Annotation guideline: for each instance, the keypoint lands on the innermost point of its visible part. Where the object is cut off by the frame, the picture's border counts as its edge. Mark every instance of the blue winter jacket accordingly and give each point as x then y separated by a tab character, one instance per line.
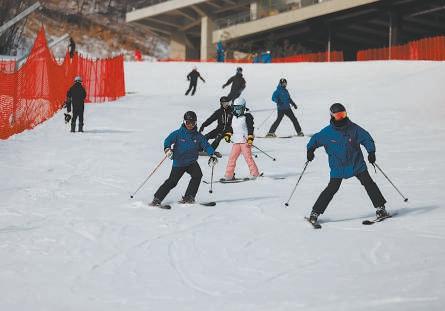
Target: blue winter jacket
187	145
282	98
343	148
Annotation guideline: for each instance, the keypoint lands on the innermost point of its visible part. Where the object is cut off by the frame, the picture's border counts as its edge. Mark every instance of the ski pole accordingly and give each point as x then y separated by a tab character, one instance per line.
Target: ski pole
211	181
404	198
262	123
264	152
298	181
152	172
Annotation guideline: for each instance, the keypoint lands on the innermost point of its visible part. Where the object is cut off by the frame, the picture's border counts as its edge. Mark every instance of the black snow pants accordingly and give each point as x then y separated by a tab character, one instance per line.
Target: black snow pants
194	170
334	184
77	113
216	134
290	115
192	85
234	94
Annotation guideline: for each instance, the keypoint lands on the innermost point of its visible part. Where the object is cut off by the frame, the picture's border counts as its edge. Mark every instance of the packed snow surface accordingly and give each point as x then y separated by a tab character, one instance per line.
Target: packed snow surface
72	239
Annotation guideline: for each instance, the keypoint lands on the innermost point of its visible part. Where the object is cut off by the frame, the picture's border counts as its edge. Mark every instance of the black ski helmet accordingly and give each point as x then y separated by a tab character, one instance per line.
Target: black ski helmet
283	81
337	107
239	70
190	116
224	99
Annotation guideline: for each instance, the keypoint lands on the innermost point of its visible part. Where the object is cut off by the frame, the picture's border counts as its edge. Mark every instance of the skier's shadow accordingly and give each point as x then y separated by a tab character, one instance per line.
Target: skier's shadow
400	212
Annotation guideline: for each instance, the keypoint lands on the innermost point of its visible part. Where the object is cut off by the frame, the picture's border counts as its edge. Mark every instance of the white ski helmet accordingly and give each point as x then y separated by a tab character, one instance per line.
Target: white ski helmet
239	106
77	79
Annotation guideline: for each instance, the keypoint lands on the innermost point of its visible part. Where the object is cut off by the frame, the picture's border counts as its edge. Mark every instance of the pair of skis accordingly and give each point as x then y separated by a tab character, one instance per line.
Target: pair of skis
168	206
366	222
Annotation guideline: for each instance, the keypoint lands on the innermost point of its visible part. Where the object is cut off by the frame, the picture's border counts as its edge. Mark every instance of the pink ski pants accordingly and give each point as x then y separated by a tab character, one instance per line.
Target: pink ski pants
246	150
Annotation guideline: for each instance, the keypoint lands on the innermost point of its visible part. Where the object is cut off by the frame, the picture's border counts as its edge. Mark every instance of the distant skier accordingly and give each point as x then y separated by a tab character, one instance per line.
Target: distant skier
341	140
238	84
224	117
72	47
182	146
76	100
283	100
193	78
241	135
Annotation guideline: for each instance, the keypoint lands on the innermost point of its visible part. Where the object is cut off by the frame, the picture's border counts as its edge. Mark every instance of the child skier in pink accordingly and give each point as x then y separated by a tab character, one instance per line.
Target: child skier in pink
241	135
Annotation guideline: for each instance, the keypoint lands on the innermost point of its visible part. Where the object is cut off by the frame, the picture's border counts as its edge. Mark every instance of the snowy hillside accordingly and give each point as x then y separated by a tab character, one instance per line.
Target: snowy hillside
72	239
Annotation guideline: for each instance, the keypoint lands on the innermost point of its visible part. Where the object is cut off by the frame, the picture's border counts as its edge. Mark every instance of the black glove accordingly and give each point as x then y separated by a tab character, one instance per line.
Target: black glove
223	86
371	157
201	129
212	161
310	155
294	105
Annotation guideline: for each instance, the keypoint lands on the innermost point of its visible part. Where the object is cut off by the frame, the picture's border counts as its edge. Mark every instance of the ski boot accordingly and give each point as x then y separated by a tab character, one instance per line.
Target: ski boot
300	134
381	212
313	218
187	199
271	135
157	203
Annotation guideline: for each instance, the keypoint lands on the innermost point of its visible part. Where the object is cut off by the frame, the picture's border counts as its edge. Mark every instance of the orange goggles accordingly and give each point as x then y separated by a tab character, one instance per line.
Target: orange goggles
339	115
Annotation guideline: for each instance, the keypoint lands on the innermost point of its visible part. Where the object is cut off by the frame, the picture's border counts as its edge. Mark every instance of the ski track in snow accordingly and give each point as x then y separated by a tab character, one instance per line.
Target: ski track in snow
71	239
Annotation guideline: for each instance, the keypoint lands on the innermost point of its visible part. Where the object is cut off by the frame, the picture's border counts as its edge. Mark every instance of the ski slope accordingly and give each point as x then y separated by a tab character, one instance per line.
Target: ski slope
72	239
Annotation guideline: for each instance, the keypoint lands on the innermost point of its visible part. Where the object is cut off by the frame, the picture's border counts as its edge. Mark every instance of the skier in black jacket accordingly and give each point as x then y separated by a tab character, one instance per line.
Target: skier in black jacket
193	78
238	84
224	117
76	99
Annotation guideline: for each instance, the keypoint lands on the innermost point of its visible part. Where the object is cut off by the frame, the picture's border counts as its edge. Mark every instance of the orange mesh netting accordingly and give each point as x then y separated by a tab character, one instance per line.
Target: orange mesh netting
424	49
38	89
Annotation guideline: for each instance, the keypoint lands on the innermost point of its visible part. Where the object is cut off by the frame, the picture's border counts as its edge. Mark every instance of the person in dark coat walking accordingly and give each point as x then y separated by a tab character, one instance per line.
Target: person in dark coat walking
341	141
182	146
76	100
224	117
72	47
283	100
238	84
193	78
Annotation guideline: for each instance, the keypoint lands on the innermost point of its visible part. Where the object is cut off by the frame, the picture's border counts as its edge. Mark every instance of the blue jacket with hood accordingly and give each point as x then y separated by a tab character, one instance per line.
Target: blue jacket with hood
282	98
186	145
342	144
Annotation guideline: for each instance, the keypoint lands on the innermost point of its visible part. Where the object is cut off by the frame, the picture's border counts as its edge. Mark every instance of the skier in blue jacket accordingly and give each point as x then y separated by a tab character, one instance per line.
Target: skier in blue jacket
183	146
341	141
283	100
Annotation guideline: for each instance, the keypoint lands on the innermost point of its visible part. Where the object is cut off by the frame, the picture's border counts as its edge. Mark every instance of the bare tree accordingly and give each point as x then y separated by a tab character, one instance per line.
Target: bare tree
10	38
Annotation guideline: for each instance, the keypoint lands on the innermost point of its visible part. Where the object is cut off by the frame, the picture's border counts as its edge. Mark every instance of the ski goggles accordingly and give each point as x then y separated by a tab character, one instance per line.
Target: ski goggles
190	122
339	115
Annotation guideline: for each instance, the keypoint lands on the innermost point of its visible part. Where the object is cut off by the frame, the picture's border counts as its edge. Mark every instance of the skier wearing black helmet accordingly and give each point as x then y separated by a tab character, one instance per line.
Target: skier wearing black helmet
224	117
238	84
182	146
284	102
341	141
75	99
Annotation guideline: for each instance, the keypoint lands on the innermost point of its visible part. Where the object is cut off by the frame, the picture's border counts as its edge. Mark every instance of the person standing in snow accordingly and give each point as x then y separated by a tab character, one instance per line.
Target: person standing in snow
182	146
224	117
283	100
72	47
193	78
241	135
76	100
341	140
238	84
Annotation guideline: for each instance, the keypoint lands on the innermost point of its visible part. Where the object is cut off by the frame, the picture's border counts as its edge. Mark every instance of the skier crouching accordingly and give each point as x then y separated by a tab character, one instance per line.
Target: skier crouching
182	146
241	135
224	117
341	140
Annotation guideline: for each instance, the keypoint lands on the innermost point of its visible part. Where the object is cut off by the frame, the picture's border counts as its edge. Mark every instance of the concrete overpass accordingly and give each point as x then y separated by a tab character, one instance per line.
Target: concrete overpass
194	26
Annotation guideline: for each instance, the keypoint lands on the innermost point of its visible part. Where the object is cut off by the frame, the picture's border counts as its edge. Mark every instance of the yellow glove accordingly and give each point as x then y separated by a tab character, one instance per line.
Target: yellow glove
227	137
250	140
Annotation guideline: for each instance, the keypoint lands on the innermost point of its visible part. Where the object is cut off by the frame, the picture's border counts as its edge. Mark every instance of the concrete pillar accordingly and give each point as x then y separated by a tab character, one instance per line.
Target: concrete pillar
253	11
177	49
208	49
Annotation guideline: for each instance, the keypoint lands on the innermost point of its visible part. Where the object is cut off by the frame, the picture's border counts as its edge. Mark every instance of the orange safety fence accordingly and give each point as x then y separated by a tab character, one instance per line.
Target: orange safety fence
7	66
424	49
334	56
36	91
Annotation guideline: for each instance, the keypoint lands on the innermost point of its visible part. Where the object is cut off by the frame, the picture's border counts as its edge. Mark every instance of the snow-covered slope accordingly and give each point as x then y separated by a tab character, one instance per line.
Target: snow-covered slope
72	239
